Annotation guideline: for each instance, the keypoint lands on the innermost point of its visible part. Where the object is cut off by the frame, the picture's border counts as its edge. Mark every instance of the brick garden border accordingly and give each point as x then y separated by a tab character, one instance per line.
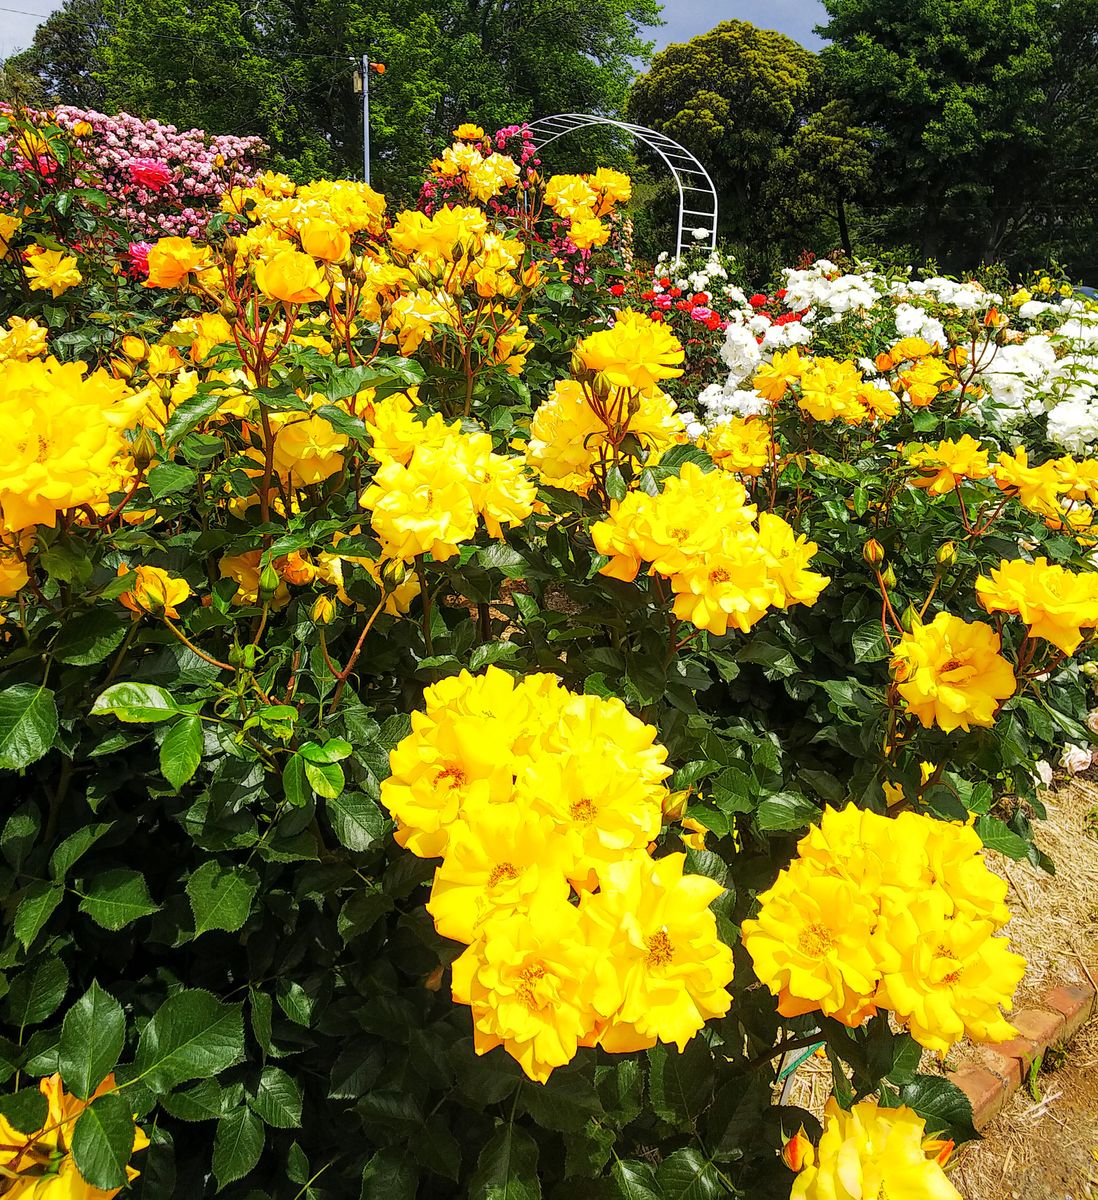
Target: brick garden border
1064	1010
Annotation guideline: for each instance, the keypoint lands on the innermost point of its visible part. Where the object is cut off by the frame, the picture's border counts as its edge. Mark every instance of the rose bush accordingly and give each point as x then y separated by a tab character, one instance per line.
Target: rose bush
437	767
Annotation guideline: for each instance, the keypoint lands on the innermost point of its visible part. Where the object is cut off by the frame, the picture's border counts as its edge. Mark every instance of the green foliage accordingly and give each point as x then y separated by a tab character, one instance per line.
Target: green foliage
983	123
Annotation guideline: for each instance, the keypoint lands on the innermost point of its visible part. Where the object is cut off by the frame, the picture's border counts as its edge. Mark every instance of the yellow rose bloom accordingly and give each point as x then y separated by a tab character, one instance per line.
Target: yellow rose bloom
64	429
1055	603
614	187
742	445
306	448
469	132
153	590
772	380
588	232
941	468
571	196
832	390
290	276
9	226
23	339
661	941
172	259
51	271
811	945
1036	488
534	985
872	1152
926	380
498	856
951	673
324	239
636	352
945	977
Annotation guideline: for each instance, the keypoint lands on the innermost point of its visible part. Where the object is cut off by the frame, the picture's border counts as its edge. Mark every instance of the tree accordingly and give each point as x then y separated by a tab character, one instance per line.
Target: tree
284	70
750	103
983	118
64	55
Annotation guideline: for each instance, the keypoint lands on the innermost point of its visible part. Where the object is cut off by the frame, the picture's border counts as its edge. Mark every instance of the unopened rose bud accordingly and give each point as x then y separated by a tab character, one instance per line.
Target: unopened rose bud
228	310
392	573
143	448
324	610
910	619
674	805
873	552
229	246
1090	670
947	554
268	583
888	577
122	369
798	1152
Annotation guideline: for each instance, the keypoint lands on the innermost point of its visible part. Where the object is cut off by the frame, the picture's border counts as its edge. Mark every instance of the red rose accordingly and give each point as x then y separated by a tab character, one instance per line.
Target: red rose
759	300
617	289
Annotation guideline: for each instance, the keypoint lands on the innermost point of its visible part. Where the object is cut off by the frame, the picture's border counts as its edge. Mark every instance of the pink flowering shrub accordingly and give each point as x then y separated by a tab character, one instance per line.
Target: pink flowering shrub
161	180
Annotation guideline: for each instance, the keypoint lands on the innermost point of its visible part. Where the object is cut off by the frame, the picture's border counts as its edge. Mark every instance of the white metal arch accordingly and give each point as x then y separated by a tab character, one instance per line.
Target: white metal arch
697	195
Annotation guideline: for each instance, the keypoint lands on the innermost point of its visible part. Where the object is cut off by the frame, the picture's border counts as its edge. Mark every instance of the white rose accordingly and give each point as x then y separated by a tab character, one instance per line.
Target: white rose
1092	720
1042	773
1075	759
701	234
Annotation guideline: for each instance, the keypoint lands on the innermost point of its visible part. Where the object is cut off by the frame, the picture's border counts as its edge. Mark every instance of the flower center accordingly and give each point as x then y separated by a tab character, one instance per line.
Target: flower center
816	940
503	870
530	977
453	776
583	811
720	575
660	950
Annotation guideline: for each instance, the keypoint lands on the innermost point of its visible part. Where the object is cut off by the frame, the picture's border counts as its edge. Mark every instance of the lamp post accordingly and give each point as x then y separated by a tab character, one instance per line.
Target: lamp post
362	85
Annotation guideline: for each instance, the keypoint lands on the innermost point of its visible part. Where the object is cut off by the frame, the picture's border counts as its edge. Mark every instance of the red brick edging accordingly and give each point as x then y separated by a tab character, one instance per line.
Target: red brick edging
1065	1010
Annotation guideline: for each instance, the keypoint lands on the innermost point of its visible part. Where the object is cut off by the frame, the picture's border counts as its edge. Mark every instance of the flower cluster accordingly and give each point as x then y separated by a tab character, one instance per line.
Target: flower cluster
542	804
889	913
870	1151
434	482
727	564
1056	604
583	200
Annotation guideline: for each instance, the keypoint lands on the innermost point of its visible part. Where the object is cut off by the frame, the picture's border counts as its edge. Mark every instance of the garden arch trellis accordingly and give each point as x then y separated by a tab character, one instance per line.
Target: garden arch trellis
697	195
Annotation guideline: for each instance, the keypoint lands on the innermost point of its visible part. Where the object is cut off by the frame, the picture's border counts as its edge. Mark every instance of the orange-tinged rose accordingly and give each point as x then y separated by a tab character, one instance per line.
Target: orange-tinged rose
172	259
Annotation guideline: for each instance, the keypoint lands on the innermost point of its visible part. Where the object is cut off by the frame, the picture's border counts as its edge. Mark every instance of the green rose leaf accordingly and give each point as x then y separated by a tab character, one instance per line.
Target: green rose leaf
36	992
507	1168
167	478
92	1036
635	1180
221	897
944	1107
74	847
116	898
326	779
181	751
238	1144
136	703
102	1141
277	1099
689	1175
192	1035
35	909
190	413
356	819
89	638
25	1110
28	725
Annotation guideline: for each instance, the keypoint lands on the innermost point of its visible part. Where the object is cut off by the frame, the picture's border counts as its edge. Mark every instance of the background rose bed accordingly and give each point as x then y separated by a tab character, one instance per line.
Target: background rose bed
408	652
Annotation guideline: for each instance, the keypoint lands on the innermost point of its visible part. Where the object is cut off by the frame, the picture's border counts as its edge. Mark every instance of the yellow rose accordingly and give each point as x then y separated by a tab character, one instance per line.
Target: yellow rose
324	239
153	591
290	276
172	259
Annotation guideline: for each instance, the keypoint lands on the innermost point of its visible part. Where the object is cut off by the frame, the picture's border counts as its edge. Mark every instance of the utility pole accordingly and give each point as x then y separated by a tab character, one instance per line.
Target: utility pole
362	84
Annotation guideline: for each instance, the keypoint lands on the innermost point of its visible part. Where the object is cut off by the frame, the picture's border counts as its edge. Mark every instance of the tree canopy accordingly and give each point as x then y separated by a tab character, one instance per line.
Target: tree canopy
283	70
983	120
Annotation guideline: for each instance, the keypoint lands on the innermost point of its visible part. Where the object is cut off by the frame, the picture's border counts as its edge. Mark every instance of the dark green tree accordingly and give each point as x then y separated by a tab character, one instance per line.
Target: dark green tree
64	55
983	120
283	70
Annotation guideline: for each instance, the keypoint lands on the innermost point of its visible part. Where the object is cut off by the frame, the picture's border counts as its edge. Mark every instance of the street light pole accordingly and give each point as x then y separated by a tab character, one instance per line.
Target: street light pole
365	69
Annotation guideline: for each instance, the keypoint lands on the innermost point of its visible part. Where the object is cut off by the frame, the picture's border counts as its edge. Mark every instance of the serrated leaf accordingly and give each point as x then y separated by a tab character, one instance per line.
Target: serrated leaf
92	1036
635	1180
102	1141
35	909
277	1099
189	414
28	725
326	779
136	703
36	992
116	898
356	819
192	1035
507	1168
165	479
689	1175
389	1176
181	751
679	1085
492	652
20	834
203	1102
238	1144
997	835
25	1110
72	849
221	897
944	1107
89	638
786	812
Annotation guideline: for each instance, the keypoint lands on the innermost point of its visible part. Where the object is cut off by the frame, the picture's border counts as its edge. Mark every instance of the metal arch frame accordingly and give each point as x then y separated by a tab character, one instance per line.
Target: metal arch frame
689	174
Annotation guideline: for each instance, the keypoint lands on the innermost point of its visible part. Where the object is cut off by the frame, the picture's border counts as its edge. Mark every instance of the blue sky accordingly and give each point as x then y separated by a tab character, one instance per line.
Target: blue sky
685	19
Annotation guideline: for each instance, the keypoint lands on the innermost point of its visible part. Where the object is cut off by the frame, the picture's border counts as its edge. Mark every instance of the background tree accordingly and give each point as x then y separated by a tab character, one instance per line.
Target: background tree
64	55
284	69
751	104
983	119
